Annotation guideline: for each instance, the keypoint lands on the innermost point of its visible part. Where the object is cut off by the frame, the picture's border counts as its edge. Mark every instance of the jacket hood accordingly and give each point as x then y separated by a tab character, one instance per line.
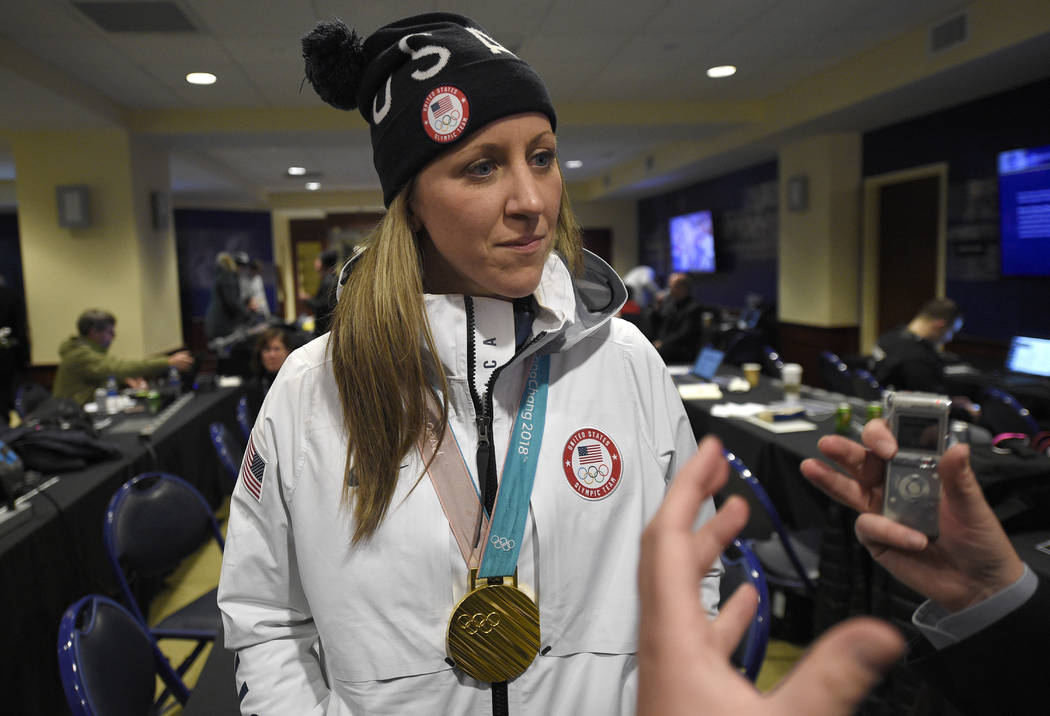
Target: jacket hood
75	343
595	297
597	294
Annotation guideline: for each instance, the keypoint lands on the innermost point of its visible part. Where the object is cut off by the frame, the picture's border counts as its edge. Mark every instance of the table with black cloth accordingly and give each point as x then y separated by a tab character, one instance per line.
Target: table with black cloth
57	556
773	458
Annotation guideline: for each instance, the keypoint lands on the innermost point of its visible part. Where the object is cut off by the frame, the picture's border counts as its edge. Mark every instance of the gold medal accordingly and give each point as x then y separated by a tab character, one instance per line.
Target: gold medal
494	631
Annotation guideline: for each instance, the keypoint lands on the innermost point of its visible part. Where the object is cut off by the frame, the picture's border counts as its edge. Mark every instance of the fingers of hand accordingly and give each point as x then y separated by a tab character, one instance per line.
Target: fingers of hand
840	669
876	531
703	475
838	486
734	617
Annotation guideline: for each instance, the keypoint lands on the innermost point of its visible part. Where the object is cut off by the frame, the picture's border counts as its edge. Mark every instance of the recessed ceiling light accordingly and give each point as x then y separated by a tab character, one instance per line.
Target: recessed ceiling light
200	78
313	185
296	171
721	71
573	164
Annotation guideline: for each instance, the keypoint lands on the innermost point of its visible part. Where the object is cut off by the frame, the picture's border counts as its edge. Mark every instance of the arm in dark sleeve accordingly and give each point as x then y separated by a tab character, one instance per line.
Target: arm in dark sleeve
997	670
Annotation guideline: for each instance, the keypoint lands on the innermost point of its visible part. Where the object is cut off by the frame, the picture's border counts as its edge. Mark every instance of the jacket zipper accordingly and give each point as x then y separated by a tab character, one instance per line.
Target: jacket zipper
486	459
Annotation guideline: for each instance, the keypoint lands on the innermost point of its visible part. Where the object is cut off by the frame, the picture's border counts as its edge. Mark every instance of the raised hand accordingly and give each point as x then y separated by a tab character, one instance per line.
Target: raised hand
683	658
971	559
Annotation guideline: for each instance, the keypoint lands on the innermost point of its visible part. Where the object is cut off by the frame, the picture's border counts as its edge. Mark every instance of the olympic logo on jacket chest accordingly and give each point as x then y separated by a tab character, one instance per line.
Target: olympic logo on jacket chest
591	462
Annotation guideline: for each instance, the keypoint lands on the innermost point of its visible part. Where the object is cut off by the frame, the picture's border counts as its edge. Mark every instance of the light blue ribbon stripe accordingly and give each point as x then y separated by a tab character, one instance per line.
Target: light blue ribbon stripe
500	558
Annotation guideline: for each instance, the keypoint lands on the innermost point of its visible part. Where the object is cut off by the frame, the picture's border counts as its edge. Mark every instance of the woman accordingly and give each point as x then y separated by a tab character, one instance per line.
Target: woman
271	350
226	310
356	525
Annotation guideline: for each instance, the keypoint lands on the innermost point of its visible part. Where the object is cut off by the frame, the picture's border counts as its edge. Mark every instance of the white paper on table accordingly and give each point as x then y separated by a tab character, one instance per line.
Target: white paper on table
783	426
737	410
679	369
700	391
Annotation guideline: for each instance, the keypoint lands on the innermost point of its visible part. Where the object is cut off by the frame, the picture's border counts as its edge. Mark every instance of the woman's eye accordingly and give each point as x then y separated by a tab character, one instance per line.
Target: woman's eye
482	168
543	159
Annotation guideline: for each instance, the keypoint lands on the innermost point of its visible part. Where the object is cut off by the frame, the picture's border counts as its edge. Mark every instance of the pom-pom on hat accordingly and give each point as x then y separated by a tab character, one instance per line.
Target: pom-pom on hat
423	84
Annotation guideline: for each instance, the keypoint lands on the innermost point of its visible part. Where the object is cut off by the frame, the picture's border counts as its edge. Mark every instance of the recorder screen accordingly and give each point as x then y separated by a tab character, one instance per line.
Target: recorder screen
917	433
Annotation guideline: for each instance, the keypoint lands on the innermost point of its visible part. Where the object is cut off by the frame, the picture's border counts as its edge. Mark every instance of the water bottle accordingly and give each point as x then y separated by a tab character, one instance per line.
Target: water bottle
175	380
100	401
112	396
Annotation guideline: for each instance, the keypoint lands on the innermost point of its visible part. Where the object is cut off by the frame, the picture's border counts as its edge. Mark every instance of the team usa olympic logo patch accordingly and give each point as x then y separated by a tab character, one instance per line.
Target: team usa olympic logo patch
592	463
445	114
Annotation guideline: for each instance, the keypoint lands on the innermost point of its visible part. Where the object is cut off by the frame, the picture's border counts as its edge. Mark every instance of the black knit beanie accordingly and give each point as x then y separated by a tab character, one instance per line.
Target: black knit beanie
423	84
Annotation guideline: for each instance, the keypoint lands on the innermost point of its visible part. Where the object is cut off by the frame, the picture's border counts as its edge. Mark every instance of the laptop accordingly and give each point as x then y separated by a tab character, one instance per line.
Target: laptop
707	364
1029	356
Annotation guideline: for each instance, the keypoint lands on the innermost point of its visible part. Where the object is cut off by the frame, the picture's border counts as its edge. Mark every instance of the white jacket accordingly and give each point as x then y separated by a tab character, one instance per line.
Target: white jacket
323	627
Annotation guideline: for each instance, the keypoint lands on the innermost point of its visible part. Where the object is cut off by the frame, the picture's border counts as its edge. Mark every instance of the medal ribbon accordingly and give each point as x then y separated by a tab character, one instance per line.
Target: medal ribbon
500	537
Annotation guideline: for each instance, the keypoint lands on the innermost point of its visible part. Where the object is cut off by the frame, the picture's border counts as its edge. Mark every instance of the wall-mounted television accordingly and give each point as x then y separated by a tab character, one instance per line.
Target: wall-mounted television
1024	211
693	243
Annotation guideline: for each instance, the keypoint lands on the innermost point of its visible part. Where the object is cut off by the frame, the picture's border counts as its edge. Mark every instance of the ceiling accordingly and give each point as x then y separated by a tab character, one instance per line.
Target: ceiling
629	81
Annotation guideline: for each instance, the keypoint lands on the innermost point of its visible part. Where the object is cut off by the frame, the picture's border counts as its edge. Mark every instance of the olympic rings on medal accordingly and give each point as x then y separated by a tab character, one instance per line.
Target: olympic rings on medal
502	543
479	622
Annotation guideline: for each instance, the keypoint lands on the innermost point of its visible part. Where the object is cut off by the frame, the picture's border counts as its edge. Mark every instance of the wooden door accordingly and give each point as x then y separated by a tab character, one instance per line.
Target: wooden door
907	244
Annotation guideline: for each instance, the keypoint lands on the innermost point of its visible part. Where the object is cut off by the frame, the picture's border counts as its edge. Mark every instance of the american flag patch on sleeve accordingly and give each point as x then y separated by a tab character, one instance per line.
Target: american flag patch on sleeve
252	470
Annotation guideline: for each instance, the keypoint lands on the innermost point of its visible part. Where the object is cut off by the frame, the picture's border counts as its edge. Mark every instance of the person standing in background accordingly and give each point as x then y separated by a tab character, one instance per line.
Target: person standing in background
322	303
226	311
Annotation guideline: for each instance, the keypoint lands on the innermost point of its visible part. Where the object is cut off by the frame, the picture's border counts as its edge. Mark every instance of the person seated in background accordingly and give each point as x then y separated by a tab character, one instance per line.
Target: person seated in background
677	322
910	357
322	303
271	349
86	364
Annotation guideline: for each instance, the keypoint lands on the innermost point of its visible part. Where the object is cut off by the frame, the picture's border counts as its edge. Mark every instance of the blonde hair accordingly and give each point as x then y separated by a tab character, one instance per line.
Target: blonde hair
383	370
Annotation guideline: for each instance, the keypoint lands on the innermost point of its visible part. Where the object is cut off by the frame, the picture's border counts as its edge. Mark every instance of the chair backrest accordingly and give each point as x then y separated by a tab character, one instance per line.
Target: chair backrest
836	373
774	517
226	449
244	421
108	662
152	523
865	385
28	396
772	363
742	566
1002	413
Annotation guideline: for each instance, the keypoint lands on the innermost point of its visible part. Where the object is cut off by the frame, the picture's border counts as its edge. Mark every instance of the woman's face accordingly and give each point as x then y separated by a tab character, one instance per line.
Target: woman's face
489	210
273	355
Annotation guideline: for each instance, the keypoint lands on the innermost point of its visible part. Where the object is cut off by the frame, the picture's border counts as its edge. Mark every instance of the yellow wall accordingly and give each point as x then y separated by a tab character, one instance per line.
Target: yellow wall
158	262
620	215
819	247
103	266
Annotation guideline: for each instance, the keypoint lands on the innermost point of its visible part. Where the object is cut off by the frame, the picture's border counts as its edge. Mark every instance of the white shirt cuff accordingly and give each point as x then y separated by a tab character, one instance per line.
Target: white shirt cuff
943	629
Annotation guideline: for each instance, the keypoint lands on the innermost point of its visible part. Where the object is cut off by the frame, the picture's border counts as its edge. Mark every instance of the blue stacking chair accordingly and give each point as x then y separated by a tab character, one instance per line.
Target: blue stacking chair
836	373
228	451
1002	413
109	663
744	567
244	422
788	560
772	363
865	385
154	522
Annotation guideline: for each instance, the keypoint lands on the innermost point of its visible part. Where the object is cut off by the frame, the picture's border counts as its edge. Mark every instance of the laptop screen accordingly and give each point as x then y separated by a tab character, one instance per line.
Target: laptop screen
1029	355
707	363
